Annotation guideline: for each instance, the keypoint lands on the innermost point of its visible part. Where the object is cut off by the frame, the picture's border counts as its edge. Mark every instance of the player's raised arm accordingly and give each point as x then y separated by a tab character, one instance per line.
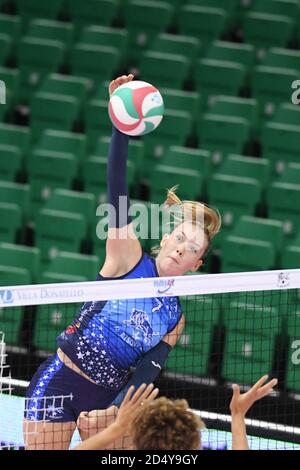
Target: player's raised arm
123	250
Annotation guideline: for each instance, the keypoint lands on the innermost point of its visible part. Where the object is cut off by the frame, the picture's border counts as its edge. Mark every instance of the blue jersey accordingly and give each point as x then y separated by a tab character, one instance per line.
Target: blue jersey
108	337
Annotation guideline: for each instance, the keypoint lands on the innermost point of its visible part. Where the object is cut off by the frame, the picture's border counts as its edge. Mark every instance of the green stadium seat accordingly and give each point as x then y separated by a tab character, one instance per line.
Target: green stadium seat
135	153
66	85
37	58
51	111
12	276
173	130
144	21
265	30
191	354
29	9
14	256
10	162
72	91
289	8
287	113
47	171
241	11
11	26
54	163
271	86
11	318
230	6
17	194
222	135
50	321
11	323
297	36
92	61
251	331
189	47
218	77
14	147
97	121
165	177
291	255
92	12
184	157
188	101
95	176
10	78
5	48
246	108
52	30
204	22
236	189
106	36
10	222
57	231
254	244
232	52
282	58
252	167
71	267
165	70
280	144
63	142
283	199
293	371
74	202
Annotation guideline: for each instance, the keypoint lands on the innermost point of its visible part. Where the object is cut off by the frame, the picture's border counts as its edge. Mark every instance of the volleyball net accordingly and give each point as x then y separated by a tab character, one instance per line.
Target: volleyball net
238	328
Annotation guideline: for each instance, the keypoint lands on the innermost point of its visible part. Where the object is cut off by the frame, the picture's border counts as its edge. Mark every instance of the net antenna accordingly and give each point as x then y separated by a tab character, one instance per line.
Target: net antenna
5	377
5	374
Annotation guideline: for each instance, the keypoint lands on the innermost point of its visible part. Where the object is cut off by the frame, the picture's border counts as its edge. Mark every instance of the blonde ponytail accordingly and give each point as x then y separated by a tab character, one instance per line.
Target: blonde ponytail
193	212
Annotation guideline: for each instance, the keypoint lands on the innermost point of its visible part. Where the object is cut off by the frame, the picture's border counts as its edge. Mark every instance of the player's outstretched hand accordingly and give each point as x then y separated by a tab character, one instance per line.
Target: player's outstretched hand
241	403
132	403
114	84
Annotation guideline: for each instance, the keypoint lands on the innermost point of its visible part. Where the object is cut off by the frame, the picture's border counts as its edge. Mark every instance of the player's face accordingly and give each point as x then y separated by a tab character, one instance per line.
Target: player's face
182	250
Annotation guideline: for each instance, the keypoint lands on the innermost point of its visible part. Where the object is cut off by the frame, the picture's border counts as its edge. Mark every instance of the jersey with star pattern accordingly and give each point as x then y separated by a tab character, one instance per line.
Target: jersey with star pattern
108	337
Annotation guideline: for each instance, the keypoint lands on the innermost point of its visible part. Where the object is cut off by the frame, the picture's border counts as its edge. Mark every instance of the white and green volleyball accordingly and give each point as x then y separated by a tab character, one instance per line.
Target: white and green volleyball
136	108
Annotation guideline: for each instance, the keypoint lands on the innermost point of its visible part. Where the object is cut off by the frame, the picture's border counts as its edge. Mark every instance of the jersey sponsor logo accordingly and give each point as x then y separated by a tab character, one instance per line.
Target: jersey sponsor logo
6	297
156	364
140	320
72	328
163	286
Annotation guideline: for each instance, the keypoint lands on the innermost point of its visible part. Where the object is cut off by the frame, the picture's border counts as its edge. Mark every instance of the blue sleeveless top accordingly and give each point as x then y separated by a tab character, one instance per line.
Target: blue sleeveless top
108	337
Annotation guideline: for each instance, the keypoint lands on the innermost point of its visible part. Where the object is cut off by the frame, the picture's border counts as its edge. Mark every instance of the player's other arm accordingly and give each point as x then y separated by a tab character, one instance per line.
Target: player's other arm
152	362
239	406
126	414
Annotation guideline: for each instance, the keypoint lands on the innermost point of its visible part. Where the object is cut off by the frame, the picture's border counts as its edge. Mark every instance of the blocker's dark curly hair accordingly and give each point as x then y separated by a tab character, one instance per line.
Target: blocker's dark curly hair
166	424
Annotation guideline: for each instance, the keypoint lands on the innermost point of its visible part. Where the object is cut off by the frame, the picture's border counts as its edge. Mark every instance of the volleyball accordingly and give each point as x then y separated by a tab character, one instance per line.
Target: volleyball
136	108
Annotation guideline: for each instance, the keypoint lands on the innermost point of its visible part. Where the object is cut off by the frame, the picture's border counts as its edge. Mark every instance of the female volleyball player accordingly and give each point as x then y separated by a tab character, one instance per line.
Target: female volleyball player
95	353
169	424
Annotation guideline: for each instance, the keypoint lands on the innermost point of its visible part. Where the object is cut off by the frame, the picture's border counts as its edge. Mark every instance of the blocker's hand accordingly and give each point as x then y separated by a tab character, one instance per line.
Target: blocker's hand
241	403
114	84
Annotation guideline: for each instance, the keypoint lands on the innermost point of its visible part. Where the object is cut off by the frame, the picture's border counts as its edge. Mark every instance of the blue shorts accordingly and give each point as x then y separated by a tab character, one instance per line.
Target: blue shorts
57	394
